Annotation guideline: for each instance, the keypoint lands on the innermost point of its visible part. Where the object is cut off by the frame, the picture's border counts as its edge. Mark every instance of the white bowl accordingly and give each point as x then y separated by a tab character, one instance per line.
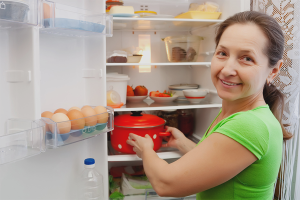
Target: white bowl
134	59
135	99
195	96
164	99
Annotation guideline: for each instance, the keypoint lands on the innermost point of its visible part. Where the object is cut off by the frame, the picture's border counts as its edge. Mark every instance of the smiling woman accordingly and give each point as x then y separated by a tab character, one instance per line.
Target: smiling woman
240	154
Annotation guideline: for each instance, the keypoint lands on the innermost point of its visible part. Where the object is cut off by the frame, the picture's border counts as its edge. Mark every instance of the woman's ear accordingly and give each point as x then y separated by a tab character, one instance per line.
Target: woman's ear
274	72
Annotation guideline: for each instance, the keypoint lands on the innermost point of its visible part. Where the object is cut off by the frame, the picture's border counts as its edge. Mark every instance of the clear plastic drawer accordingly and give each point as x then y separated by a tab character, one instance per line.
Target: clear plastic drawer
22	139
70	21
67	132
18	13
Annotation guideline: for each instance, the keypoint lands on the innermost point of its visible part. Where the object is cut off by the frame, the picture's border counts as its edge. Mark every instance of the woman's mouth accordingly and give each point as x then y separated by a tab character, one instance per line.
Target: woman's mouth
229	83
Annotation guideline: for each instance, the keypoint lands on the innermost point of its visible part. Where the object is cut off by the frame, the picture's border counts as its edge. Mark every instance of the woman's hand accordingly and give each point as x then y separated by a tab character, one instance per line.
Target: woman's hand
140	144
178	140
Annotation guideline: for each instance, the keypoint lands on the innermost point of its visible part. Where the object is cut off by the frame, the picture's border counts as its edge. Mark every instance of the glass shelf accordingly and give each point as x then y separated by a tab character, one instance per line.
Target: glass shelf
65	20
149	104
206	64
160	24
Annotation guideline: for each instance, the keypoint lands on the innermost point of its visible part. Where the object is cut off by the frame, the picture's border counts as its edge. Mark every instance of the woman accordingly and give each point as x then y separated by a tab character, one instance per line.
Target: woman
239	156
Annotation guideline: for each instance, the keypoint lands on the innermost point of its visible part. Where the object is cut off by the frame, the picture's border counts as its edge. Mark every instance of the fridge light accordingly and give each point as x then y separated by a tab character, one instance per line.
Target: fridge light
145	43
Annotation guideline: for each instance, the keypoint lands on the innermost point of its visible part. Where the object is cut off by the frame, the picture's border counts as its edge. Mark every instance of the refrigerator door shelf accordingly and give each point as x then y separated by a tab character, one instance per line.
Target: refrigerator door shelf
22	139
69	21
16	14
63	133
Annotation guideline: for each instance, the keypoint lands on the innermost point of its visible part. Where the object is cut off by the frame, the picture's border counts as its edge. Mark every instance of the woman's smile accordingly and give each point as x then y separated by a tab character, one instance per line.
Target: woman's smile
229	84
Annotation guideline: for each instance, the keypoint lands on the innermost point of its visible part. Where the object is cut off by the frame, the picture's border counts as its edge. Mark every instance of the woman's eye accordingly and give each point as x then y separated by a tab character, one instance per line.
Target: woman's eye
221	53
248	59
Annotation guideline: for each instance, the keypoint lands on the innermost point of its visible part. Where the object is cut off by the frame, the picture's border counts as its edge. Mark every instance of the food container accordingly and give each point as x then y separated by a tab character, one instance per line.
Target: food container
178	88
145	13
139	124
195	96
182	48
134	58
117	56
14	11
110	4
186	121
118	82
171	117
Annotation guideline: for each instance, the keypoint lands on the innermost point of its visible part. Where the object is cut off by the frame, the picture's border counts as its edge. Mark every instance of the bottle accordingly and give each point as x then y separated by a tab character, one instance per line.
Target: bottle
186	121
92	182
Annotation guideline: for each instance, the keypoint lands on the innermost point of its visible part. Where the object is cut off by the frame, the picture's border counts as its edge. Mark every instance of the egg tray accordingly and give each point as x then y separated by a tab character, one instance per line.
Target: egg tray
74	135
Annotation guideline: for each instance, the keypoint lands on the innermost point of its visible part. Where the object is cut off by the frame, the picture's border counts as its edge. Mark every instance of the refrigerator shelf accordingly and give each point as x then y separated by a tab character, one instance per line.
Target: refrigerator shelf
205	64
160	24
69	21
66	132
22	139
18	14
211	101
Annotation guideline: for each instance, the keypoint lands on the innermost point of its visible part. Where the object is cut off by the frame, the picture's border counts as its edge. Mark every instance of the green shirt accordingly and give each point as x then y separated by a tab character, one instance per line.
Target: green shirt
260	132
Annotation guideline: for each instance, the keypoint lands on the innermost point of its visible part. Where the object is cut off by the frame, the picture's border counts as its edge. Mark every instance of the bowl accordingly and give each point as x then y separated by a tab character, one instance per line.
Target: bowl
135	99
178	88
134	58
14	11
195	96
164	99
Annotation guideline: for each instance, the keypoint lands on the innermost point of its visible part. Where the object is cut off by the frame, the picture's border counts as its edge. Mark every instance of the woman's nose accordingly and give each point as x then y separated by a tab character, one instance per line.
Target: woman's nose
230	67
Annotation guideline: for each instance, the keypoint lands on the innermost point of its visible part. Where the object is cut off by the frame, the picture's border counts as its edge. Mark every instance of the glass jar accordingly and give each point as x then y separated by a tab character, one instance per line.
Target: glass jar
171	117
186	121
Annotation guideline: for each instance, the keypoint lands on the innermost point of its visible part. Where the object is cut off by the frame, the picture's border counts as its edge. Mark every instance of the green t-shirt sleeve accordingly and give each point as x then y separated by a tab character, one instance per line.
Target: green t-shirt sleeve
248	130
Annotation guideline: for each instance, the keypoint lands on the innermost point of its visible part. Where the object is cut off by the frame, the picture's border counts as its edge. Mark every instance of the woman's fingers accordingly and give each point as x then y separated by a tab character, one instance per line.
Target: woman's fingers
131	142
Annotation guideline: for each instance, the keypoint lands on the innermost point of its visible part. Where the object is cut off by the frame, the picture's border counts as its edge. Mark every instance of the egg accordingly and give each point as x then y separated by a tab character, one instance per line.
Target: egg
63	123
74	108
102	114
89	113
77	119
61	110
47	114
86	106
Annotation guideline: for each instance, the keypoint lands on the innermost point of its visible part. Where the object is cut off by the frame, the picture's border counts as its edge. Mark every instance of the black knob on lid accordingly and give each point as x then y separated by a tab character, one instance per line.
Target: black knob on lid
136	113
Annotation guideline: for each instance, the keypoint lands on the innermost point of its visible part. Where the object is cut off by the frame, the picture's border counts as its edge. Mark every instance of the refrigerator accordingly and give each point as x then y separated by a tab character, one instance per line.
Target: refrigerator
53	55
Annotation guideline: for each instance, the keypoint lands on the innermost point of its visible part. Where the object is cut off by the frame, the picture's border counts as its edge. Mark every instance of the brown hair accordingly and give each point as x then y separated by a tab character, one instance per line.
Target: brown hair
274	51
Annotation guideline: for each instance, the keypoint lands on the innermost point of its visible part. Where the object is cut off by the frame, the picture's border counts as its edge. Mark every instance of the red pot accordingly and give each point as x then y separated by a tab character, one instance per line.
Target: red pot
139	124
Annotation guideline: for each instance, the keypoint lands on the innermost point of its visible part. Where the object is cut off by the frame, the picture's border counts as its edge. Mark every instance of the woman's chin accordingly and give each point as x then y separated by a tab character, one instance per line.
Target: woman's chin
227	96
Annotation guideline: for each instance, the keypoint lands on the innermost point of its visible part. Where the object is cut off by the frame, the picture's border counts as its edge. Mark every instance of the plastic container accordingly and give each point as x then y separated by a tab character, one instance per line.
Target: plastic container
24	11
70	21
134	58
91	186
177	89
182	48
22	139
56	134
118	82
110	4
145	13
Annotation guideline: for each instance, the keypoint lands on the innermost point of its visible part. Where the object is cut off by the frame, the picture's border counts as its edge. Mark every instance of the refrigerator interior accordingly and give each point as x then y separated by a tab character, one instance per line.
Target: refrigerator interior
42	71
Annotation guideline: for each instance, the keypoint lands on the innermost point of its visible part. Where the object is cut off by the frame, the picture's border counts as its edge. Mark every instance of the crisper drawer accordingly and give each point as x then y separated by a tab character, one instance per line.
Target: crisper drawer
67	132
66	20
22	139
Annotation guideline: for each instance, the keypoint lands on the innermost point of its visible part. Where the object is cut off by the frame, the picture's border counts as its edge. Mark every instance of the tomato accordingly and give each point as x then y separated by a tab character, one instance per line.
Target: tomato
130	91
140	90
154	93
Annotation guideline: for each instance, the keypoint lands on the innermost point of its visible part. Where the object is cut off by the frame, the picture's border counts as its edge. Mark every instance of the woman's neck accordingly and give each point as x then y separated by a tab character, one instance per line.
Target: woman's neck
248	103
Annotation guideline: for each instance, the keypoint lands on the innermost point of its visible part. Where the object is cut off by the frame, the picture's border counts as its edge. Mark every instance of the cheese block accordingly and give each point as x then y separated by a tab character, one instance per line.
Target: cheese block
122	10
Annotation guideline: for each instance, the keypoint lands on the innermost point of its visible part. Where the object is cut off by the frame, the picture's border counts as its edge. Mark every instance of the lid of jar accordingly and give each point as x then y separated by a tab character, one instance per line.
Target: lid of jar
138	120
145	11
183	86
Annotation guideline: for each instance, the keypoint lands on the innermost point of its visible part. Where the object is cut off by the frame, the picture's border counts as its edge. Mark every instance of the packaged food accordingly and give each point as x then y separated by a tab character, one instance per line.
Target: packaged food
117	57
112	3
207	7
171	117
186	121
145	13
121	10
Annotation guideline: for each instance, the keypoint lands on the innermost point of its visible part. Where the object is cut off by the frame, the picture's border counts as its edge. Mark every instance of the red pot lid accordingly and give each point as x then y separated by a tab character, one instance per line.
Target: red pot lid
138	120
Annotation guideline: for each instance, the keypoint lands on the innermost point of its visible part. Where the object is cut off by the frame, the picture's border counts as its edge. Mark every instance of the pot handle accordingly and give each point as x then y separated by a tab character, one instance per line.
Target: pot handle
164	134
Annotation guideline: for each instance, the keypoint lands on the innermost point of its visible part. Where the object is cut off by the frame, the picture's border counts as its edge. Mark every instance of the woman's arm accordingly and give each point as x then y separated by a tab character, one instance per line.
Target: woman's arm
214	161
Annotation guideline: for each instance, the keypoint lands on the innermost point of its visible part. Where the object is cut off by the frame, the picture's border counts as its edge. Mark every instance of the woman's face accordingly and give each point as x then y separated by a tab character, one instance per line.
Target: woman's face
239	67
